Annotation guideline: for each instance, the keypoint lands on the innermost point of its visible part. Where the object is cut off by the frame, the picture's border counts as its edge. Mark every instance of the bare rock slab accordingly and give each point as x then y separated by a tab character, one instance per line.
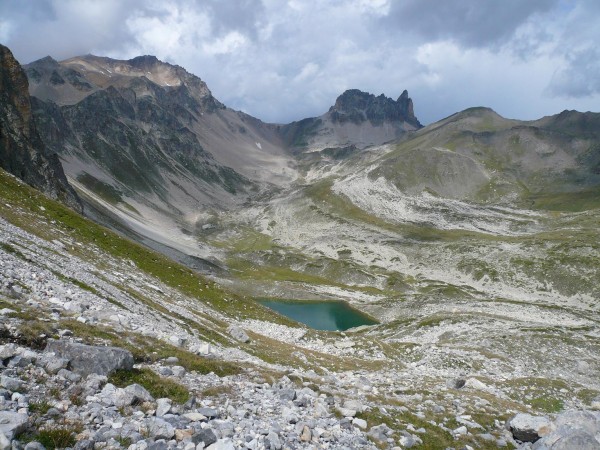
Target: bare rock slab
88	359
12	423
528	428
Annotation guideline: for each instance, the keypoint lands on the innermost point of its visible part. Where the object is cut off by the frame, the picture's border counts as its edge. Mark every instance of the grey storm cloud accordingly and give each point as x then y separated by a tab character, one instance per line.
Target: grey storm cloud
285	60
476	23
580	77
243	15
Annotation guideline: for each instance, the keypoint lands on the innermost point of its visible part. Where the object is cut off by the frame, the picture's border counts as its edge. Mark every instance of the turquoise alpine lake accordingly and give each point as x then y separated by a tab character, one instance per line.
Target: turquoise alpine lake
320	315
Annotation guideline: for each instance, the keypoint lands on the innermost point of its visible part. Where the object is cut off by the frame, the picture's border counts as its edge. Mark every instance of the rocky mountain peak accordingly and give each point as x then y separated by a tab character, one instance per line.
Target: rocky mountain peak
144	61
357	107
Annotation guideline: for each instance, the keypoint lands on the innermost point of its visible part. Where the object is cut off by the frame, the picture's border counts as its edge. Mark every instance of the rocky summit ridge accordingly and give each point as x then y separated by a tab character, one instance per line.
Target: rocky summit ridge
357	106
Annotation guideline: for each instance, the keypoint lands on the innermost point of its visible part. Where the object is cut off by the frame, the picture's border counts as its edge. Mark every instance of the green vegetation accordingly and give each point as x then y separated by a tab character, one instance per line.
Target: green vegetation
58	437
547	404
104	190
12	250
40	407
157	386
543	394
435	437
567	202
35	333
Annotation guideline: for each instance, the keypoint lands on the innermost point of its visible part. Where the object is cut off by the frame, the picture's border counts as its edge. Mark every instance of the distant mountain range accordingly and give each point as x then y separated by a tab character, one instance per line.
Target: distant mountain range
152	152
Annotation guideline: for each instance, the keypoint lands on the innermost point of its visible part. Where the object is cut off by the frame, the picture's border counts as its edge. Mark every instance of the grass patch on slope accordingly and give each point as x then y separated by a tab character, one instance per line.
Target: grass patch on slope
31	210
158	386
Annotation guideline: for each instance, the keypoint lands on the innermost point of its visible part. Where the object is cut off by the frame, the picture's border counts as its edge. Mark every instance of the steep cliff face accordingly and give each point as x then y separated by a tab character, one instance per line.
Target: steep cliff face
22	152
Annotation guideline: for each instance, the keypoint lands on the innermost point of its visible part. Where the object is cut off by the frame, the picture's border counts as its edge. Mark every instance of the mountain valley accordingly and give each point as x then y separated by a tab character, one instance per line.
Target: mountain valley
472	242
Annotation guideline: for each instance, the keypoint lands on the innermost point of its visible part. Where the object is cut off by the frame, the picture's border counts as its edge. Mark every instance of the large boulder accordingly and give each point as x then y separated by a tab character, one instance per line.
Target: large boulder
88	359
528	428
572	430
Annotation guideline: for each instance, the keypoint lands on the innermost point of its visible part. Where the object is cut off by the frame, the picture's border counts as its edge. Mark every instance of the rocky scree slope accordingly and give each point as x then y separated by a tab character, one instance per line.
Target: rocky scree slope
22	152
147	144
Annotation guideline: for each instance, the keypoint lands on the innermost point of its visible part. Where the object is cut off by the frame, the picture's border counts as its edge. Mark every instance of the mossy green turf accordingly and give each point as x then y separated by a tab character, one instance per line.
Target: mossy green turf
157	386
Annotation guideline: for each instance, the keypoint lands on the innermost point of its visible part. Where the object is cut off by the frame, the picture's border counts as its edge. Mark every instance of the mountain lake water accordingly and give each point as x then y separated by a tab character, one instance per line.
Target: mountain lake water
320	315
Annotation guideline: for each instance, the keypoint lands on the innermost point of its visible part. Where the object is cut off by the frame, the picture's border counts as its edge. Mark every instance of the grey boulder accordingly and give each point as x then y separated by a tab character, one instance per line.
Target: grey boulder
528	428
238	334
88	359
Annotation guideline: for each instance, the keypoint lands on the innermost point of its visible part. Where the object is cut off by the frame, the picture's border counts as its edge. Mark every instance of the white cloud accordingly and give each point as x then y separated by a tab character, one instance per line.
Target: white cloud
230	43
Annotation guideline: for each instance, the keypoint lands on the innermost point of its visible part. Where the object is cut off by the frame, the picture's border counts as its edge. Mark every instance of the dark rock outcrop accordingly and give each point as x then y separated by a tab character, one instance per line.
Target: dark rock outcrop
22	152
357	106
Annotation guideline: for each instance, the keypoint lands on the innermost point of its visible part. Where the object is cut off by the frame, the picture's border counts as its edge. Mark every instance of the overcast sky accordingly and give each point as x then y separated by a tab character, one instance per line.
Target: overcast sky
285	60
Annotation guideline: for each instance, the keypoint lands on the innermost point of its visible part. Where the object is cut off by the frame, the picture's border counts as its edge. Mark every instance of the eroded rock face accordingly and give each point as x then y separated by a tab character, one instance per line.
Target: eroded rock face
22	152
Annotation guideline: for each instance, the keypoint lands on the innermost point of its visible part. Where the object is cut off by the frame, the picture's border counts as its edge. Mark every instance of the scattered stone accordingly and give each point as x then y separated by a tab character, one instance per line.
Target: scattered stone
238	334
222	444
456	383
163	406
206	435
360	423
347	412
139	393
12	384
272	441
8	351
380	432
55	364
178	371
34	446
572	430
460	431
171	360
195	417
306	434
157	428
344	344
287	394
208	412
4	442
